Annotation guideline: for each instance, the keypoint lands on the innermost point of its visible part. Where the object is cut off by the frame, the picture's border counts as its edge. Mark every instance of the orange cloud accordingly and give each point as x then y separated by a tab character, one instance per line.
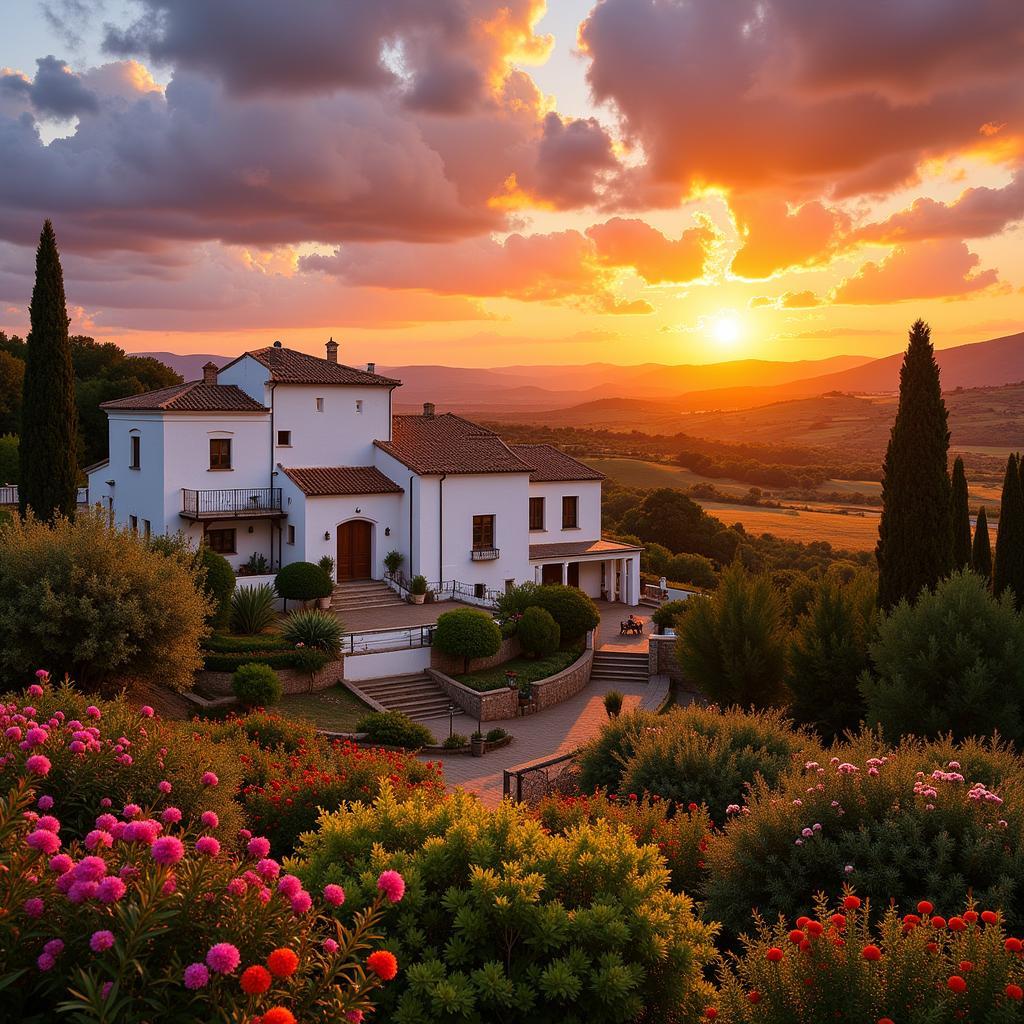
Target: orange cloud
631	242
777	236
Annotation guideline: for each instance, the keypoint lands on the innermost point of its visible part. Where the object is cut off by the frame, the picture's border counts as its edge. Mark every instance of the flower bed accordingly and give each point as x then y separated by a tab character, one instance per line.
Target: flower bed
527	670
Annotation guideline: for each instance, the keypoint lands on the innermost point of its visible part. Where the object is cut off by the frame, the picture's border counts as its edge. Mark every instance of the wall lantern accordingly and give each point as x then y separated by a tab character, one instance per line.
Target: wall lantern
327	534
358	510
251	529
387	531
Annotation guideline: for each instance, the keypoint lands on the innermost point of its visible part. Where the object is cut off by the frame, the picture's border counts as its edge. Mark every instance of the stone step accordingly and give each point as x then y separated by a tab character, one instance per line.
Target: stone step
417	696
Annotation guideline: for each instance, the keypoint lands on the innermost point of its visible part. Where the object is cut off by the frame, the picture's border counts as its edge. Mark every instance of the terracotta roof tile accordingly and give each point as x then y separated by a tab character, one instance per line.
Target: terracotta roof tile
583	547
550	464
447	443
195	396
318	481
287	366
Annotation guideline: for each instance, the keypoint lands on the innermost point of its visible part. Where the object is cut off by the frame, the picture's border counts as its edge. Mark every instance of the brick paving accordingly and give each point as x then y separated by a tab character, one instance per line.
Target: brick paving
560	729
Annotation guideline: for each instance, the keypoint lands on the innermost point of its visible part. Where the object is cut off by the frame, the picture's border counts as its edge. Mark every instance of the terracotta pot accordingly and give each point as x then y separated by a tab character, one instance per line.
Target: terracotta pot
417	598
477	746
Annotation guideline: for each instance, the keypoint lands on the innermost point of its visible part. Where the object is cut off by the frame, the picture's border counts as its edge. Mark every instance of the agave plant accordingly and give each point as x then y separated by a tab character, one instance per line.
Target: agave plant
312	627
252	609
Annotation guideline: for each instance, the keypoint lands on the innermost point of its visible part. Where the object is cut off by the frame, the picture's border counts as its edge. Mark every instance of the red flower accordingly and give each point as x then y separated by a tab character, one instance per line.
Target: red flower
839	920
851	902
957	924
971	916
956	984
282	962
796	936
885	1020
966	966
755	996
1013	945
932	947
801	921
710	1013
383	964
938	922
924	908
255	980
815	928
1014	992
774	954
278	1015
870	952
989	916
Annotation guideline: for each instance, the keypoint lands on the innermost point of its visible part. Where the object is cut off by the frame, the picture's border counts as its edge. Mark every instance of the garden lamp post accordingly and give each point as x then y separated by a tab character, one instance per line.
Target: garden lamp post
451	719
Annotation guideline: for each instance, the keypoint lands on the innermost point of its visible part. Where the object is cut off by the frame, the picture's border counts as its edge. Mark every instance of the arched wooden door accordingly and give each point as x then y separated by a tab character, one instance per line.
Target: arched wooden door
354	543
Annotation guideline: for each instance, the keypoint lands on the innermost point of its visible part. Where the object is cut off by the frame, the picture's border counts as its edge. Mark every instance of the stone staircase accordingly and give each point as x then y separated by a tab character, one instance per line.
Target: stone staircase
418	696
356	595
612	668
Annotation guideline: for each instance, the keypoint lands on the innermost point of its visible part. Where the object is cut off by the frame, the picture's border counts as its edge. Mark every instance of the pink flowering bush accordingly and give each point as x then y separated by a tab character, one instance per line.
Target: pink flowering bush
897	823
834	965
140	914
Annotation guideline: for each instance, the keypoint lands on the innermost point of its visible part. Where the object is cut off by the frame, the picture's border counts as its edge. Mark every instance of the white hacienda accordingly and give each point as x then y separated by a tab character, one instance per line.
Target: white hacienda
281	456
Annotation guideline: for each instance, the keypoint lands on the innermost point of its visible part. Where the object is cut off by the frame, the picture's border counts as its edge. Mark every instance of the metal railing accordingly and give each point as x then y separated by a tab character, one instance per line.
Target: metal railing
448	590
368	641
484	554
529	783
9	495
232	502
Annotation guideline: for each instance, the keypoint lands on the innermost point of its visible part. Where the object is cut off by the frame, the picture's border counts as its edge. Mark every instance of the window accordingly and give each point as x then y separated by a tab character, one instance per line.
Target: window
133	524
220	453
135	458
480	590
359	406
146	529
291	534
319	405
536	513
222	541
284	439
483	533
570	512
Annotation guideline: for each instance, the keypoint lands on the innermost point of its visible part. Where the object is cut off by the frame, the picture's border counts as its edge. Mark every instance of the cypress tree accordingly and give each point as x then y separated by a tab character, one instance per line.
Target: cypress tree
49	418
1008	565
961	514
981	552
915	533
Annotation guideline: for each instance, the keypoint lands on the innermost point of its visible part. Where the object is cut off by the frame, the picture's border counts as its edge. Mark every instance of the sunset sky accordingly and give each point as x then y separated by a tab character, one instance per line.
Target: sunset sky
485	182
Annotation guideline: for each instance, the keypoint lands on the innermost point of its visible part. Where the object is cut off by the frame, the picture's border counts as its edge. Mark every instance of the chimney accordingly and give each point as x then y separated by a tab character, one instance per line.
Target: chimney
210	373
428	410
277	344
332	351
371	367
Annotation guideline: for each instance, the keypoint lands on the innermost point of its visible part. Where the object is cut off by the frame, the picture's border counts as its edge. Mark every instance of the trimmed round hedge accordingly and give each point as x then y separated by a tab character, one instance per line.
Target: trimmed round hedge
467	633
303	581
256	685
539	634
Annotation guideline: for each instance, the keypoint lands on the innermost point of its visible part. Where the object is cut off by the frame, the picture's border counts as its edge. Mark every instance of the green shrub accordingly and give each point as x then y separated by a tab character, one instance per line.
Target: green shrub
97	604
951	662
904	824
733	644
300	659
226	643
539	634
252	609
394	729
502	921
418	585
303	581
575	613
511	603
218	583
327	565
668	614
314	628
310	660
256	685
393	562
613	703
601	759
693	569
843	969
455	742
257	565
467	633
493	735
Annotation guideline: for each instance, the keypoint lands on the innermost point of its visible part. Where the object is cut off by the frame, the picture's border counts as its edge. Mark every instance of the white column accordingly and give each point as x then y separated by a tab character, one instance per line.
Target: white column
620	575
565	573
536	574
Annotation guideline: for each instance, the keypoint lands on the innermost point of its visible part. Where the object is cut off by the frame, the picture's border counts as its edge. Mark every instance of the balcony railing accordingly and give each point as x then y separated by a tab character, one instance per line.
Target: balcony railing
9	495
484	554
236	503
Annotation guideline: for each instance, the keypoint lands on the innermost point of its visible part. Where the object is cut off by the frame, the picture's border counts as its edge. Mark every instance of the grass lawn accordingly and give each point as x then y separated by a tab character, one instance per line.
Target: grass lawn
335	710
529	669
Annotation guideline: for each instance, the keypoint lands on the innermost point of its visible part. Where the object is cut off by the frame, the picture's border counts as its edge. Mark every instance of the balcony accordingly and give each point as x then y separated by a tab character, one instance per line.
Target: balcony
237	503
484	554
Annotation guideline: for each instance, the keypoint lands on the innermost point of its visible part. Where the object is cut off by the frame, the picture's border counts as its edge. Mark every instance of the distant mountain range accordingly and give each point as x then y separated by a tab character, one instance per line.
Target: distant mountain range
604	394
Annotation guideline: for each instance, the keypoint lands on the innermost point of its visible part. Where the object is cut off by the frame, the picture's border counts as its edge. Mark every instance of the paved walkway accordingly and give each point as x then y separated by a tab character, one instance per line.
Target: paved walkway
560	729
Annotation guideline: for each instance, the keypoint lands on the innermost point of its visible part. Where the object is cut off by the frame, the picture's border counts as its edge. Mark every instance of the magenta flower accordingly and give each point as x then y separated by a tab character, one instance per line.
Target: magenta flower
170	885
41	674
268	868
301	902
354	1016
209	779
146	711
45	803
97	837
237	887
209	819
258	847
43	840
171	816
34	906
54	947
45	962
330	946
93	712
82	892
167	850
392	884
334	894
110	889
61	864
36	736
49	822
208	846
132	810
289	886
38	764
101	941
223	958
196	976
90	869
13	732
164	786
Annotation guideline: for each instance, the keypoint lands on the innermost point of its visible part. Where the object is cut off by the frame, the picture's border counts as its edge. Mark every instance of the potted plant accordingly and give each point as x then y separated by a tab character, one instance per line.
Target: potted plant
327	564
393	562
525	694
418	590
477	742
512	680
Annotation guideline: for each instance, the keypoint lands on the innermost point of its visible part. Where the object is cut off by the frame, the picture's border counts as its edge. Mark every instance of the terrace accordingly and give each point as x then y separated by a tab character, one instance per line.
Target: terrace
232	503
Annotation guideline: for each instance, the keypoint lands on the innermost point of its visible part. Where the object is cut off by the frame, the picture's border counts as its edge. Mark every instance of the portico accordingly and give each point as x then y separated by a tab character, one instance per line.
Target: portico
602	568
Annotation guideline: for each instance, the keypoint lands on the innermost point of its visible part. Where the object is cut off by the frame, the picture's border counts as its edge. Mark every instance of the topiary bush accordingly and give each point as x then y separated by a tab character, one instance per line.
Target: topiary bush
252	609
395	729
951	662
218	583
256	685
303	581
96	603
901	824
503	921
539	634
314	628
834	965
575	613
467	633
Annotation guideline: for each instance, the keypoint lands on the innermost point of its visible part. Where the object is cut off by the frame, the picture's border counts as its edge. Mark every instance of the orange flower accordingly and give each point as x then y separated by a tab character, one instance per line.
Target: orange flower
851	902
383	964
278	1015
956	984
282	962
1014	992
254	981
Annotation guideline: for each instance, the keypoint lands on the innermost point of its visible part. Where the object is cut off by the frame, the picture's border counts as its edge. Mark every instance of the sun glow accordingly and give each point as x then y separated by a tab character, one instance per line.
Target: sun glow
726	329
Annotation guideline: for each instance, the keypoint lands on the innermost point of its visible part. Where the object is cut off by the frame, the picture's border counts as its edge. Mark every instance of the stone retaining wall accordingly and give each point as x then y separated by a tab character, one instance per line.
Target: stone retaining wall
662	658
486	706
450	665
563	685
292	680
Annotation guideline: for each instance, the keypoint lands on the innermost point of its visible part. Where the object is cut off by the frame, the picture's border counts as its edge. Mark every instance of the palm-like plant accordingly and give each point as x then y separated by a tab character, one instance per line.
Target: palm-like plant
252	609
312	627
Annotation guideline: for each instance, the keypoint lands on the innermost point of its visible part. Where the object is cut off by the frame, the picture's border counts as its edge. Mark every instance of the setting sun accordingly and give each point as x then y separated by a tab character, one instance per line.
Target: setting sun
726	329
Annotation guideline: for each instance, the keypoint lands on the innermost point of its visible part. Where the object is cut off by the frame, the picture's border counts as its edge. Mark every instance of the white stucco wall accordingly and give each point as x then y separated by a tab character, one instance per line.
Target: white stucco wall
589	515
249	375
408	501
139	492
325	515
